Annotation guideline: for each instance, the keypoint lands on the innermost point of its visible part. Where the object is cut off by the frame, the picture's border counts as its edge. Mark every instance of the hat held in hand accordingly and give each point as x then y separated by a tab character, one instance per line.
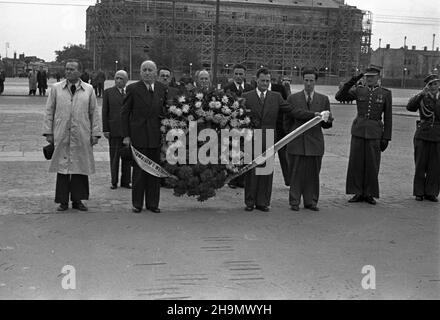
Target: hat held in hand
48	151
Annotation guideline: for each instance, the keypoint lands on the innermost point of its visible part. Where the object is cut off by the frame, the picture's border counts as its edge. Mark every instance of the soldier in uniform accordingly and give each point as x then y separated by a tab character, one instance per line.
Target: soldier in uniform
427	140
369	134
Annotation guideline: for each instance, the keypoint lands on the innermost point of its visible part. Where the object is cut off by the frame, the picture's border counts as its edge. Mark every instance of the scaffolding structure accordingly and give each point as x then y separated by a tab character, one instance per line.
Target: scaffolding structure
284	36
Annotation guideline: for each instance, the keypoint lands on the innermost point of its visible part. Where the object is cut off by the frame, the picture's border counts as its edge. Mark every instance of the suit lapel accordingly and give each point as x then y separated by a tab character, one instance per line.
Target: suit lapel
142	91
258	104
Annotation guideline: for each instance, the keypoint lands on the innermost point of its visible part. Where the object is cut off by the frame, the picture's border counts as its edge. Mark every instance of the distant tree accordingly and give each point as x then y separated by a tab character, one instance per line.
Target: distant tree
74	51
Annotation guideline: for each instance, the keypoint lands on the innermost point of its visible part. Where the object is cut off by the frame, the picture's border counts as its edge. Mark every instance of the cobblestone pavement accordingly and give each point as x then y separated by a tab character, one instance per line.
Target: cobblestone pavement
214	249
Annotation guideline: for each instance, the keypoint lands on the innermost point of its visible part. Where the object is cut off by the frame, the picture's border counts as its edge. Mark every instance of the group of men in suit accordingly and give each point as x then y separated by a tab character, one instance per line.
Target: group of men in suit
143	104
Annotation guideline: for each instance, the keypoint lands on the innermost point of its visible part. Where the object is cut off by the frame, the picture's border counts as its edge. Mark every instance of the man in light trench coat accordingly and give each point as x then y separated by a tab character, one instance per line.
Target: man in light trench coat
73	124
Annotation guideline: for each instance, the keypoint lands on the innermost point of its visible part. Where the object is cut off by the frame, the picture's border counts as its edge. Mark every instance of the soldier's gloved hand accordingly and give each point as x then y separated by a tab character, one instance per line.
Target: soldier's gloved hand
355	79
383	144
359	77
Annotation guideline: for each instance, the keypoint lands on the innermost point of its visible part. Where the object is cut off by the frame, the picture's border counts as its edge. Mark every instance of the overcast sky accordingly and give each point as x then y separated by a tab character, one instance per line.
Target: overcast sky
39	30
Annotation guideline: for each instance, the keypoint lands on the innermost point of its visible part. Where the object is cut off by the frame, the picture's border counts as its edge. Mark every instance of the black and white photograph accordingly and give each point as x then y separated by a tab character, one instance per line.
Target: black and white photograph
219	150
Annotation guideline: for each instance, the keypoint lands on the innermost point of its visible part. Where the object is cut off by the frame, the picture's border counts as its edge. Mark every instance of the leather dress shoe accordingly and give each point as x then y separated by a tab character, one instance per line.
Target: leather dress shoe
136	210
113	186
313	208
63	207
249	208
232	186
294	208
126	186
262	208
79	206
431	198
419	198
370	200
357	198
155	210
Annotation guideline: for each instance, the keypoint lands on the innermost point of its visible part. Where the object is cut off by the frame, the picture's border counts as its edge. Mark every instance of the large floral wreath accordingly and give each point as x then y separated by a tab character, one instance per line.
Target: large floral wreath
215	110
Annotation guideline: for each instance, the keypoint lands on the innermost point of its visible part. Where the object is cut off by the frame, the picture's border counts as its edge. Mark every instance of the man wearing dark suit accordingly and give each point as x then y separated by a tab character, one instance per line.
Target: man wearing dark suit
143	108
306	151
369	135
237	88
112	103
281	133
426	183
264	107
165	79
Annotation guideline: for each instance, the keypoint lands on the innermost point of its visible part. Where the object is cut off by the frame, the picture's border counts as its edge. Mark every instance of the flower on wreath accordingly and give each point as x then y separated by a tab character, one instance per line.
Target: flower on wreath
185	108
181	99
199	96
225	99
226	110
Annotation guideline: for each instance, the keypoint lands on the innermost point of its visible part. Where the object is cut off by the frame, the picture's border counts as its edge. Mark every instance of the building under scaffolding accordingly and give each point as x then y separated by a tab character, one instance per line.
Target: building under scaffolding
283	35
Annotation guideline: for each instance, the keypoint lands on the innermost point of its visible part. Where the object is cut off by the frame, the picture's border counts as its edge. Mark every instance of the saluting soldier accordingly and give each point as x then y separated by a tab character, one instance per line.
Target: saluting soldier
369	134
427	140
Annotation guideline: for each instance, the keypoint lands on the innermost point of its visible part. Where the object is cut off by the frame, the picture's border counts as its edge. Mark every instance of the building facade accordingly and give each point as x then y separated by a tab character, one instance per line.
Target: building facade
406	67
283	35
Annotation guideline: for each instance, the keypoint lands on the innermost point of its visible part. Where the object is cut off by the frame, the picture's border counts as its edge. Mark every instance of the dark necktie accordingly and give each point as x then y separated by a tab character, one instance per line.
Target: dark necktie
309	100
73	89
262	97
240	91
123	92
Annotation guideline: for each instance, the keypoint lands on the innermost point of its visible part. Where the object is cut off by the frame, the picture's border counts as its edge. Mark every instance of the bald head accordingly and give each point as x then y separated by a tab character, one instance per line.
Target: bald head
148	71
121	78
203	80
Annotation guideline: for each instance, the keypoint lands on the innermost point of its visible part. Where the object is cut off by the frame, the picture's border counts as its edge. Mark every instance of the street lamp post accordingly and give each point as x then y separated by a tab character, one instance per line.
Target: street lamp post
116	65
326	75
190	69
403	78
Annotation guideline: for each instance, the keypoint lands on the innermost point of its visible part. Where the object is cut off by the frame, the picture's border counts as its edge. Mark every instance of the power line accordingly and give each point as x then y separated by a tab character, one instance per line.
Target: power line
48	4
406	17
406	22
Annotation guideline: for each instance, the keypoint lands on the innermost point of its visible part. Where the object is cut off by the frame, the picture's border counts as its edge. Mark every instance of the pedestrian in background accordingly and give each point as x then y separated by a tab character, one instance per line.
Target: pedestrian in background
2	81
426	184
73	124
42	81
32	82
100	79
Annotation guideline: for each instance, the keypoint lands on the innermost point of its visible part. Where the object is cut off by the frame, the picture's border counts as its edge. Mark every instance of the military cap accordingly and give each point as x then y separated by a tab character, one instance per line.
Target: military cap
372	71
431	78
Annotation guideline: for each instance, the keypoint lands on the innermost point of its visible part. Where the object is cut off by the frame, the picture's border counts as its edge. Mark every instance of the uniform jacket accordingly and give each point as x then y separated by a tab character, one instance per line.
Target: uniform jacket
232	88
141	114
428	127
311	142
371	104
112	103
72	120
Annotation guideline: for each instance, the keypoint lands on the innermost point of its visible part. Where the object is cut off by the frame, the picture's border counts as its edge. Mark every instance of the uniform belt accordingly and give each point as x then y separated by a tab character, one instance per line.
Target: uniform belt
369	117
